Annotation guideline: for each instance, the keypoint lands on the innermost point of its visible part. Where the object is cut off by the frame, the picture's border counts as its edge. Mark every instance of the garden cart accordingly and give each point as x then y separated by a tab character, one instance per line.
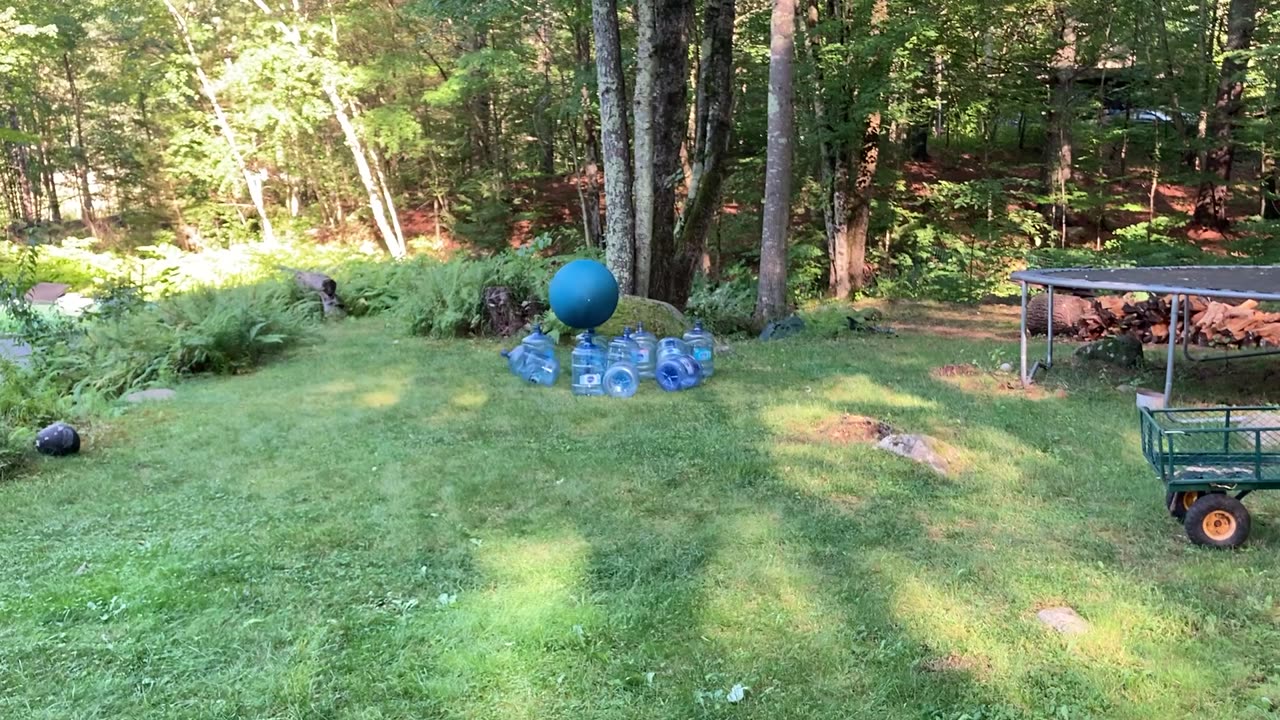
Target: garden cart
1210	459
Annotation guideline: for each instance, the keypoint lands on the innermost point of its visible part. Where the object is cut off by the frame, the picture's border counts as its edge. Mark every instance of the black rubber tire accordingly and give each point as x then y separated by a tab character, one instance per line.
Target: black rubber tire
1218	520
1178	503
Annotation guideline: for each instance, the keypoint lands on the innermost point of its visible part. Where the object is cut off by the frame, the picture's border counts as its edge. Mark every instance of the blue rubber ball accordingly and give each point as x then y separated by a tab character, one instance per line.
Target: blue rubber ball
584	294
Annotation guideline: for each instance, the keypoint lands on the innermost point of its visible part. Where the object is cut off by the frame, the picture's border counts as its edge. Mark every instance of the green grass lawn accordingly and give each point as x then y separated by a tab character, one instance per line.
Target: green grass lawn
382	528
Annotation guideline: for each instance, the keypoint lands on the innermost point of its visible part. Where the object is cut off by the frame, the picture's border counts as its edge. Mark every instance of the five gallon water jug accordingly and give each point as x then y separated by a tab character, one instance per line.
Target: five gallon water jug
624	349
703	345
648	344
598	340
589	365
673	346
516	357
622	380
676	372
541	369
539	342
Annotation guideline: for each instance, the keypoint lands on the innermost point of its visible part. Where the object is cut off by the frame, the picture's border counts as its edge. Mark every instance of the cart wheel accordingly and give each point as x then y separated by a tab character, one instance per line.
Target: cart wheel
1218	520
1178	503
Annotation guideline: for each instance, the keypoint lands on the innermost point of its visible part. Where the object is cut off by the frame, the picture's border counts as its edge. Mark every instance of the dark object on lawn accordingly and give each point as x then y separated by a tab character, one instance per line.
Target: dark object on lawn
1122	351
1067	312
324	286
57	440
864	321
507	315
780	329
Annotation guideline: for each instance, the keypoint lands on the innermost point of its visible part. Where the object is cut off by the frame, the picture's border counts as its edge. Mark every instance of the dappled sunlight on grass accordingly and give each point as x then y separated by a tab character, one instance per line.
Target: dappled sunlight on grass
470	398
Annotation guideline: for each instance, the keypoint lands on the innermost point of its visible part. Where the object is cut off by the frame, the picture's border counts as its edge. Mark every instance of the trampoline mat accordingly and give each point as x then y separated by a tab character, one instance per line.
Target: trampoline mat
1260	282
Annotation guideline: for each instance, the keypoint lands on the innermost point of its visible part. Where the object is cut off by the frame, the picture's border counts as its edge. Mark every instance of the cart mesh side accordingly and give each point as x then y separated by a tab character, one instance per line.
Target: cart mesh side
1216	445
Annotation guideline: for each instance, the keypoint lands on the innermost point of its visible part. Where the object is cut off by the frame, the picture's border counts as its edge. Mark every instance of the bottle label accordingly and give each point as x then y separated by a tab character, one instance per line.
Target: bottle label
702	354
590	380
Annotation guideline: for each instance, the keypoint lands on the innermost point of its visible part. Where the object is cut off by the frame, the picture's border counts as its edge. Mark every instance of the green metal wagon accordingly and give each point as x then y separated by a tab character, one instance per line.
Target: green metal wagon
1210	459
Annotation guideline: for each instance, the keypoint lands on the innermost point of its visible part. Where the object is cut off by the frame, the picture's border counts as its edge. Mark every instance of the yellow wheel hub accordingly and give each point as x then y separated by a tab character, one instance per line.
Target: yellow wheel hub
1219	525
1189	499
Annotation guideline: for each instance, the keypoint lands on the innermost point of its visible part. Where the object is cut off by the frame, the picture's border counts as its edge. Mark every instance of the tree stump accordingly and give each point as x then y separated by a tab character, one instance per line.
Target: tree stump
506	314
324	286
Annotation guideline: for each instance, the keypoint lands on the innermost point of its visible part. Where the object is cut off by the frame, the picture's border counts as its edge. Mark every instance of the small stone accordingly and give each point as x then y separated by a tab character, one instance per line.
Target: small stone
152	395
1006	367
1063	619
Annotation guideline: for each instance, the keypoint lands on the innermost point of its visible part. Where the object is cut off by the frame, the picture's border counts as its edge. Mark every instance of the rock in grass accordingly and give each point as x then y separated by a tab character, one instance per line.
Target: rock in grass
780	329
920	448
1063	619
1122	351
660	318
152	395
58	440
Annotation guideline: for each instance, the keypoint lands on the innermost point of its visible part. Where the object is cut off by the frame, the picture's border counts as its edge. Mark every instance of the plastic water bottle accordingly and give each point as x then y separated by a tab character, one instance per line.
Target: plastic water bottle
624	349
676	372
589	364
541	369
538	342
672	346
648	344
594	339
621	380
703	344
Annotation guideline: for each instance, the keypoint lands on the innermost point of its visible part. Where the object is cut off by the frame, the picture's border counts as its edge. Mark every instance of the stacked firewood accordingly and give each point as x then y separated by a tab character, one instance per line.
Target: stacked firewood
1212	323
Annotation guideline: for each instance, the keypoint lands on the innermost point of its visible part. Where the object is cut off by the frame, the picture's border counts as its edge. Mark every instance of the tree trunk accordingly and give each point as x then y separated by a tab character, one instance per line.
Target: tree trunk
78	151
834	160
868	164
643	97
378	202
546	121
50	186
20	159
771	302
619	211
252	181
670	130
1211	202
713	125
591	142
1058	144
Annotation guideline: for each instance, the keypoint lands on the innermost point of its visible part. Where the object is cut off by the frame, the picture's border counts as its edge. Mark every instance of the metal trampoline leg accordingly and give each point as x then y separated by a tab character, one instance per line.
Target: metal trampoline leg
1173	347
1023	336
1048	358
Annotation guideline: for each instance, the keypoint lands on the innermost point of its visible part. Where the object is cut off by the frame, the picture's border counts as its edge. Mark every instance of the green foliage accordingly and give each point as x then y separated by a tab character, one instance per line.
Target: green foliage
727	307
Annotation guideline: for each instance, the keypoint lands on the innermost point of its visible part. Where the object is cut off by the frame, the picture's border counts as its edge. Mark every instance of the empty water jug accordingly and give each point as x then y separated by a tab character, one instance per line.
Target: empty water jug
648	344
541	369
516	357
672	346
589	365
676	372
621	380
624	349
703	346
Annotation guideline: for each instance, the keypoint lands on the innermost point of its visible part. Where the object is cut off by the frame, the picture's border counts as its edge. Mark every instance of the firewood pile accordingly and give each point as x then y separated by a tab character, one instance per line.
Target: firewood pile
1213	323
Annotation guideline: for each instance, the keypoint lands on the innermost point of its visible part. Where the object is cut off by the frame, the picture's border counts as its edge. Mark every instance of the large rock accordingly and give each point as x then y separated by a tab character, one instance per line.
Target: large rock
921	448
1122	351
1064	619
660	318
780	329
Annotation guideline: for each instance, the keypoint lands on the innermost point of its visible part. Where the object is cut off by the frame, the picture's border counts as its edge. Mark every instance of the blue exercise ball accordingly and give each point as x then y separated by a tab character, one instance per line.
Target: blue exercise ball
584	294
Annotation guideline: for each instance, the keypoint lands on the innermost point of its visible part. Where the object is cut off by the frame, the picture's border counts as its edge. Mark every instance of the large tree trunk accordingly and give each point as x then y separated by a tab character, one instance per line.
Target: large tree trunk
619	211
1211	202
647	61
864	180
378	202
1058	143
252	181
713	114
771	302
590	181
79	152
834	159
670	130
20	160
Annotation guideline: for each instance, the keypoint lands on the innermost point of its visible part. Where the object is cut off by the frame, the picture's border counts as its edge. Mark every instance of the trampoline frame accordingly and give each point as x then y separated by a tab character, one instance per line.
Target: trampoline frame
1051	279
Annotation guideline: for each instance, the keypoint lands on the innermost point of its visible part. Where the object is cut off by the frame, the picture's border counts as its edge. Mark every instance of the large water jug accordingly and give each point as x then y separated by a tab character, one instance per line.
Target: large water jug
541	369
703	345
624	349
598	340
676	372
648	344
516	358
589	365
621	380
539	342
673	346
